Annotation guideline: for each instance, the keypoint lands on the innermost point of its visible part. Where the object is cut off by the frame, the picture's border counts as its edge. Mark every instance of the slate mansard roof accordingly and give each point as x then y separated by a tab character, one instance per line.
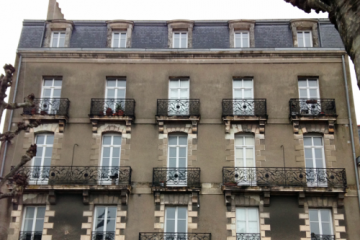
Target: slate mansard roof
154	34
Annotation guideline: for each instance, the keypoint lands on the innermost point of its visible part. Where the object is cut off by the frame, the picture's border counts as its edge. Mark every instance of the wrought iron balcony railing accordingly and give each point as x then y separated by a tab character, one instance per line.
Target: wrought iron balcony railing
312	107
100	235
112	107
306	177
322	237
244	107
178	107
49	106
174	236
176	177
248	236
58	175
25	235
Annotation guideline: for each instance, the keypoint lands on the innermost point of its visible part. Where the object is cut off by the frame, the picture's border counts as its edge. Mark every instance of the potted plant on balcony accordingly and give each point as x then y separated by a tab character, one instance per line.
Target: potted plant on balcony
33	111
119	110
109	112
43	112
311	101
231	184
162	183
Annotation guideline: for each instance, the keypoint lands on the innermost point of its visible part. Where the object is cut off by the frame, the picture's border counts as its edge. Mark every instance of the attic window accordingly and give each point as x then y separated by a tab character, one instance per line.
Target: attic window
57	39
119	40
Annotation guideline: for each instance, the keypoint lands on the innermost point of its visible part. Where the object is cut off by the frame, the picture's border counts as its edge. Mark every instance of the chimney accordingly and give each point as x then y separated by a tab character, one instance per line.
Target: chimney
54	11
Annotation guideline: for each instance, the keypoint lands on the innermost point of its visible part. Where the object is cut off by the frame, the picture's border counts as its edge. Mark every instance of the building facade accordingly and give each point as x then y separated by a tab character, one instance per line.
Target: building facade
225	130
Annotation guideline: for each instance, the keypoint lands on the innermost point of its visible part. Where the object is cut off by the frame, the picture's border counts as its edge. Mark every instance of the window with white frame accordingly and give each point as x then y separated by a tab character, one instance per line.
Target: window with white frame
315	161
118	40
180	39
308	88
104	222
42	161
110	157
245	159
304	39
177	160
58	39
50	94
33	223
115	91
320	223
243	91
178	95
175	220
242	39
247	222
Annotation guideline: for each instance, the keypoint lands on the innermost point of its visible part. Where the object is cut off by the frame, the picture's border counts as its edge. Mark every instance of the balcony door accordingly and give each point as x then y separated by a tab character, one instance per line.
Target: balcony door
33	223
315	161
110	159
50	94
42	161
245	173
175	223
177	161
104	223
115	94
179	97
247	223
309	96
243	97
321	224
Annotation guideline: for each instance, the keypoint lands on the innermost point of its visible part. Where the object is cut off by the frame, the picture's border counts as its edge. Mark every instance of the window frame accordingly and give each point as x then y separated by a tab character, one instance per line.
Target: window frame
34	219
111	146
303	38
242	88
247	219
241	38
176	218
313	147
119	42
244	147
178	146
58	40
105	217
179	88
116	87
308	88
320	220
180	42
52	87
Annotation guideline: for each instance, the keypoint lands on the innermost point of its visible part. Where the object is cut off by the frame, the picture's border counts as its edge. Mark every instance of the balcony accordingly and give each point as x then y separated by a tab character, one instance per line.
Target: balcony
320	109
49	110
30	235
178	110
176	179
240	110
174	236
322	237
248	236
112	110
99	235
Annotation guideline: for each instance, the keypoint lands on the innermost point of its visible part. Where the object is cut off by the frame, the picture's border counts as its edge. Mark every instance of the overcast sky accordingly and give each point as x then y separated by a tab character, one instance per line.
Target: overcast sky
13	12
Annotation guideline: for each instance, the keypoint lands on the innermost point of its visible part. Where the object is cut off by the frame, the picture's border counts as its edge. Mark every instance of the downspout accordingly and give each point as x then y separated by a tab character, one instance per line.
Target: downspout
351	129
42	36
319	32
11	116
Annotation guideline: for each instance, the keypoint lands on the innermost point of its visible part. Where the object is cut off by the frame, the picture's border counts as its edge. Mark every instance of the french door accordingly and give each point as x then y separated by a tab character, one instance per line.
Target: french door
247	223
104	223
315	161
179	97
309	95
115	94
33	223
42	161
245	160
110	159
177	161
175	223
321	223
243	95
51	90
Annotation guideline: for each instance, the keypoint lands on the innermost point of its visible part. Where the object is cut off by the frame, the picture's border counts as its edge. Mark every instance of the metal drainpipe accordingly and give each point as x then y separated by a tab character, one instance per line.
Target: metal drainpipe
42	36
11	116
351	129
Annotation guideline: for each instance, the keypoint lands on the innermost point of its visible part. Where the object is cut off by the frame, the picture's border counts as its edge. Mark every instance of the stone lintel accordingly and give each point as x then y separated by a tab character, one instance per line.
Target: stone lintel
229	120
329	120
194	120
111	119
61	119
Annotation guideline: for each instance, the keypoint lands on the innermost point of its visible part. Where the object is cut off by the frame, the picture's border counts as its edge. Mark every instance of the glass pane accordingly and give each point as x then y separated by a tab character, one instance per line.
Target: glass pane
55	40
172	140
62	42
326	228
182	162
307	141
241	227
313	83
106	152
302	83
111	83
313	214
50	139
303	93
253	215
249	153
317	141
237	42
105	162
300	39
307	39
325	215
250	162
253	227
116	152
184	93
123	43
172	162
57	83
100	212
308	153
319	163
249	141
39	151
172	152
40	139
120	93
116	40
170	213
237	83
176	40
115	162
170	225
182	152
30	211
314	227
107	140
47	162
181	228
182	140
309	163
183	41
184	84
40	212
57	93
110	93
111	212
47	93
110	225
121	83
174	94
239	153
48	83
99	225
318	153
39	224
238	93
239	162
174	84
313	93
240	214
28	225
117	140
248	93
239	140
245	42
48	152
248	84
182	213
37	160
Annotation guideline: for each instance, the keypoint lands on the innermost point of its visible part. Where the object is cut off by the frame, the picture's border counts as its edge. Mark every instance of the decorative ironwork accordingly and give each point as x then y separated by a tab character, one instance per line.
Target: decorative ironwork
248	236
176	177
49	106
244	107
310	177
112	107
30	235
178	107
322	237
312	107
84	175
174	236
99	235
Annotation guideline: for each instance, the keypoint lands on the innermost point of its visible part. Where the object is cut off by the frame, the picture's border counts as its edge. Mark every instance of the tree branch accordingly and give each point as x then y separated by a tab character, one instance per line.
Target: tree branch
7	136
308	5
29	102
6	81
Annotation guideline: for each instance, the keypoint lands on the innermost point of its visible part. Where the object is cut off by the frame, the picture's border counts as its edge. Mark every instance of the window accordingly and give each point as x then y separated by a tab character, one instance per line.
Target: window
119	40
304	39
176	221
242	39
177	161
115	88
247	222
110	158
320	223
33	223
42	161
242	90
178	89
57	39
50	94
315	161
180	40
245	159
309	89
104	223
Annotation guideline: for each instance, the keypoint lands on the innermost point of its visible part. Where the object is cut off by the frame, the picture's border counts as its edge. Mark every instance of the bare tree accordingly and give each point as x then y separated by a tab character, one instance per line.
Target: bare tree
345	15
19	181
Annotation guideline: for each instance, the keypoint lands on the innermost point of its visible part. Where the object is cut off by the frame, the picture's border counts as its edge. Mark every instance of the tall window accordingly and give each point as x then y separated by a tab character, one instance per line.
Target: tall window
57	39
180	40
308	88
110	158
51	91
115	88
178	95
243	94
177	161
314	158
320	223
104	223
304	39
241	39
176	221
247	222
42	160
118	40
33	223
245	159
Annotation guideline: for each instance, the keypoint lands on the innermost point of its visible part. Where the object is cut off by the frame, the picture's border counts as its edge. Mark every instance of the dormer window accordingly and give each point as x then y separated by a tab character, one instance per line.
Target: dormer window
58	39
242	34
180	40
305	33
242	39
304	39
118	40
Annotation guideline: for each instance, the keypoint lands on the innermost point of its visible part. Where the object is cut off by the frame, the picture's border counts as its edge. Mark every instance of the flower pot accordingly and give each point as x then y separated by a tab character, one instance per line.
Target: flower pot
33	111
120	113
311	101
109	112
101	113
43	112
230	184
